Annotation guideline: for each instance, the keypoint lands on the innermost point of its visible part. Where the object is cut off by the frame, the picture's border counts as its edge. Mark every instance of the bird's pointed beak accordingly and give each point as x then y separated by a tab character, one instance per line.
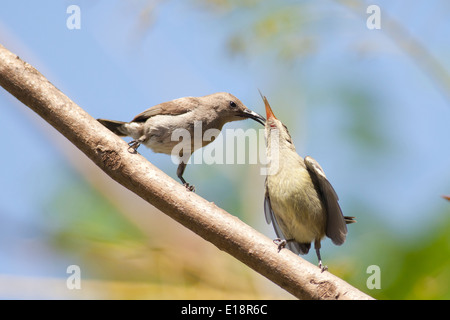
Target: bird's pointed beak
255	116
269	112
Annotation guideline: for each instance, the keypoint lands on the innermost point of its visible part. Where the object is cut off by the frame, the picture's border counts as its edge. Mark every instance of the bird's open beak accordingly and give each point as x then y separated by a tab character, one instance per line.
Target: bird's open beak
253	115
269	112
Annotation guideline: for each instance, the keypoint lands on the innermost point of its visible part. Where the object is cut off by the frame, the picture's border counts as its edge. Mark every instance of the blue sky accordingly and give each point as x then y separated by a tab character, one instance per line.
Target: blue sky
112	71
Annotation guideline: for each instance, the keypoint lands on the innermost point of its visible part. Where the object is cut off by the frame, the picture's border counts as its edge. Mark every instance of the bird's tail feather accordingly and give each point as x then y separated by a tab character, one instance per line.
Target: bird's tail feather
349	220
114	126
297	247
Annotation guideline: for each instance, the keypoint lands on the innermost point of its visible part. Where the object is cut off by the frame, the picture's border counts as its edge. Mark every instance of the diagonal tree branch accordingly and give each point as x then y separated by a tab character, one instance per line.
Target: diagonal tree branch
109	152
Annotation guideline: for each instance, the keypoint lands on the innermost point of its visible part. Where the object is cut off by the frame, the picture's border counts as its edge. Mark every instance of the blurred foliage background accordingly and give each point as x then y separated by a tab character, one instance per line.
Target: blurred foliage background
370	105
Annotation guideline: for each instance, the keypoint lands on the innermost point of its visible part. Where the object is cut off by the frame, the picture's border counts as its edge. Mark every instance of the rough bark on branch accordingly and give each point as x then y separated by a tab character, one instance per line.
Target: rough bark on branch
109	152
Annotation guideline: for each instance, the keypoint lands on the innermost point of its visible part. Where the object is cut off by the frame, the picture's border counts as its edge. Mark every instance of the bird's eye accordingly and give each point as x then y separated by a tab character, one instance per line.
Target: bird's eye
233	104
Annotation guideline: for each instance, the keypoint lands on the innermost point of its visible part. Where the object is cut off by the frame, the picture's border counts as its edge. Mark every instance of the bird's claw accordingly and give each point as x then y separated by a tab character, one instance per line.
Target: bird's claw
133	146
281	243
189	187
322	267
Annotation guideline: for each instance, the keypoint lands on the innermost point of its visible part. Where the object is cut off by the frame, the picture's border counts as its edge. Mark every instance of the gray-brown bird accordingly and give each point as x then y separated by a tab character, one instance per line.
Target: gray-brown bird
299	200
157	126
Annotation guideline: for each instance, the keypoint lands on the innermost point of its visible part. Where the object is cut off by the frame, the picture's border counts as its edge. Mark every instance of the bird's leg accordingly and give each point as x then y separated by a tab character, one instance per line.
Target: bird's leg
134	144
281	243
180	172
317	247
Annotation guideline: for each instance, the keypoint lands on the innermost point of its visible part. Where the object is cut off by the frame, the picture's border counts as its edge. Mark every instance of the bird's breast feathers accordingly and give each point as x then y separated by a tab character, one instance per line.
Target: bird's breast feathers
294	198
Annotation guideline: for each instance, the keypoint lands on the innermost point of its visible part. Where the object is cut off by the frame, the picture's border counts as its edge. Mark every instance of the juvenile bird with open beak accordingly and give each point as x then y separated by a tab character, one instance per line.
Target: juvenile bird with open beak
299	200
155	127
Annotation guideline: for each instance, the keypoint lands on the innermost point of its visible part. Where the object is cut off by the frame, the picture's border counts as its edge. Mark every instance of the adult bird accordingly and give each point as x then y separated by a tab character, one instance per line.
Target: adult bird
161	127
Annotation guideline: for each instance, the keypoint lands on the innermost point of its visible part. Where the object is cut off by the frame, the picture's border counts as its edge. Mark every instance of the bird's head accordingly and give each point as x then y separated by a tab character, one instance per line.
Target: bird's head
275	126
229	108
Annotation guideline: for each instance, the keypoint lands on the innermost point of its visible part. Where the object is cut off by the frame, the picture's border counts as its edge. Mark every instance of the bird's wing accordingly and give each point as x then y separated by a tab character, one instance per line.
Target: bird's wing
336	228
297	248
267	206
173	108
